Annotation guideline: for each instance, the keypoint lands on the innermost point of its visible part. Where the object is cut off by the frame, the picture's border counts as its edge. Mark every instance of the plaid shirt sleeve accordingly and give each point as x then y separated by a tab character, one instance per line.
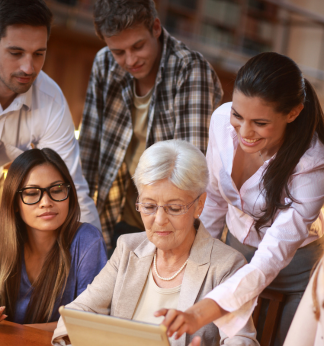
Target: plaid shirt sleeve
186	97
91	128
198	94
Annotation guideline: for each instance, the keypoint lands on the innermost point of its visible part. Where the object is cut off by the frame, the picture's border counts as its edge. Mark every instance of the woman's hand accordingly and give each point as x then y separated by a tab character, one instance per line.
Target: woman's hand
2	315
197	316
178	321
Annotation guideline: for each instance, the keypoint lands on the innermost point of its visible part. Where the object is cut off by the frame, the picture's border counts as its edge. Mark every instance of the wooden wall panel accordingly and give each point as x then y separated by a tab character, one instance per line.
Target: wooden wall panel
69	60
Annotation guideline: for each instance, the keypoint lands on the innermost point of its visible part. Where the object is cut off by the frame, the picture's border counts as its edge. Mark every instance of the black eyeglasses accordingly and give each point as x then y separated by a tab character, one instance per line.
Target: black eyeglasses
32	195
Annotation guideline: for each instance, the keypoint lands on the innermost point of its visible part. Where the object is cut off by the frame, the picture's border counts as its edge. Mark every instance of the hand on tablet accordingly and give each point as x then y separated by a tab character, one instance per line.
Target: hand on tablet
2	315
178	322
197	316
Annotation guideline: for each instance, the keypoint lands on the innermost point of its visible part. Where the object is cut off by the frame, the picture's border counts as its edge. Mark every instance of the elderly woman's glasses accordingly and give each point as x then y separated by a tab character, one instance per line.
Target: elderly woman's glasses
32	195
171	209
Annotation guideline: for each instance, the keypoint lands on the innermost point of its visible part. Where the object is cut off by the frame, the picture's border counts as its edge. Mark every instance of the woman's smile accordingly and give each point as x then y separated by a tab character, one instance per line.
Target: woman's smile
258	126
250	142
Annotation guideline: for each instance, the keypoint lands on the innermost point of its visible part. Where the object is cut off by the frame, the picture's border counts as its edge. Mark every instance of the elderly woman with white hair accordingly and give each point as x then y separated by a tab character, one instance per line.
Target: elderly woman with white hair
175	262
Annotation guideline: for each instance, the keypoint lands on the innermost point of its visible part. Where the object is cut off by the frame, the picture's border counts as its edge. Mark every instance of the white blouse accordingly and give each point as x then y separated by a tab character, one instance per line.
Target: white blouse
292	228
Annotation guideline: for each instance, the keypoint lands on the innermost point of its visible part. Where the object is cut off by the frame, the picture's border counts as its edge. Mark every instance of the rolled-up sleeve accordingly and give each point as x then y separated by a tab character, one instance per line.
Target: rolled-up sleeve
215	209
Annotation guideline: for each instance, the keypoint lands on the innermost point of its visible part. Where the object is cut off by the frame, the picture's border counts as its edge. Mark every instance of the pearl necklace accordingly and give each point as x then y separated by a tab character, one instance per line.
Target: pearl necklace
173	276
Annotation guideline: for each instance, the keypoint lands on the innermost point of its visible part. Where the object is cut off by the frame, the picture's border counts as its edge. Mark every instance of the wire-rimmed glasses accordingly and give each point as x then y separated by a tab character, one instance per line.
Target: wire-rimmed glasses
171	209
32	195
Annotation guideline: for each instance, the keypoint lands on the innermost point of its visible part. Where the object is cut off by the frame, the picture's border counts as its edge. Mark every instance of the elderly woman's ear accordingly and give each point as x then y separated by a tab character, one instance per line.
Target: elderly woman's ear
200	206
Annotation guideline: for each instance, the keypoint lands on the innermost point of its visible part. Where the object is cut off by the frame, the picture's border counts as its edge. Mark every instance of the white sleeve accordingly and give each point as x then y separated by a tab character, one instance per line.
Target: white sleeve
279	245
59	135
215	209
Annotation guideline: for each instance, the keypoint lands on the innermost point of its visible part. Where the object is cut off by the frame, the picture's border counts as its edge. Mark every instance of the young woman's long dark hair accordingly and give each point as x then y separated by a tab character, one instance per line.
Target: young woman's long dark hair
54	273
277	80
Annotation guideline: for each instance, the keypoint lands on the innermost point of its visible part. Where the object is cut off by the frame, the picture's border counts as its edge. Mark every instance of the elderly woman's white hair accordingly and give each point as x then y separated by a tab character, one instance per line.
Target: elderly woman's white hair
179	161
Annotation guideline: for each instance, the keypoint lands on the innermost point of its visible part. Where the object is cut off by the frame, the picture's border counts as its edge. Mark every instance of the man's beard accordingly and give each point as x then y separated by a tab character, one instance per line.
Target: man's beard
18	88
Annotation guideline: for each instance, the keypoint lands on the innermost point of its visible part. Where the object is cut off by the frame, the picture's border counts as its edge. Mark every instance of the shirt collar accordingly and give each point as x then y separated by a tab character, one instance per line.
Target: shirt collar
24	99
232	131
117	70
21	100
165	36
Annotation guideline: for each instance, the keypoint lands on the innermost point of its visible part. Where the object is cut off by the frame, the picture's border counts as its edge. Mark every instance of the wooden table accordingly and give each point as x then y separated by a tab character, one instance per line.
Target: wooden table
13	334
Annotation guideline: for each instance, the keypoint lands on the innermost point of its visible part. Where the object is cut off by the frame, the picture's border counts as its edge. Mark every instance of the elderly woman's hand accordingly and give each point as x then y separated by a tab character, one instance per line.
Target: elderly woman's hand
2	315
197	316
178	321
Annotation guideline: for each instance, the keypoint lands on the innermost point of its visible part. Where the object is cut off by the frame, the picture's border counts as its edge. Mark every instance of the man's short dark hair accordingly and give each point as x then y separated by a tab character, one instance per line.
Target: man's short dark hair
26	12
113	16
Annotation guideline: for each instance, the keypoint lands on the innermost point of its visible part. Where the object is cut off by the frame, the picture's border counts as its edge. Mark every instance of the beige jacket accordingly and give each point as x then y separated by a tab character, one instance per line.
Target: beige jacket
117	288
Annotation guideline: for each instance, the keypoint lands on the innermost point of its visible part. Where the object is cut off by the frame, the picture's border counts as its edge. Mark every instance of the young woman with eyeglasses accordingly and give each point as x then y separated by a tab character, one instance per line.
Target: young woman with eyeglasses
47	257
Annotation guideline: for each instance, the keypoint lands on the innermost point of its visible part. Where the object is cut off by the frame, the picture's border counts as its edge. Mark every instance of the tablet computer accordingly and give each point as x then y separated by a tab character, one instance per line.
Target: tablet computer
88	328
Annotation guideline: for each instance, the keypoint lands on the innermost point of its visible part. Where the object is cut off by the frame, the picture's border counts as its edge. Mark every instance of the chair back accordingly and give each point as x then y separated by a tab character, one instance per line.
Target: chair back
269	329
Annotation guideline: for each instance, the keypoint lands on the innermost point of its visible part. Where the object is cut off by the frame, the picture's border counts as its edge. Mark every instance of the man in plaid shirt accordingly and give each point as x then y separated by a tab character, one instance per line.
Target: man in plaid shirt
144	87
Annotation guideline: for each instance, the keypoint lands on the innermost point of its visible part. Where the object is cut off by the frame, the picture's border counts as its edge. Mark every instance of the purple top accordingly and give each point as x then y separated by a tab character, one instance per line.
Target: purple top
88	257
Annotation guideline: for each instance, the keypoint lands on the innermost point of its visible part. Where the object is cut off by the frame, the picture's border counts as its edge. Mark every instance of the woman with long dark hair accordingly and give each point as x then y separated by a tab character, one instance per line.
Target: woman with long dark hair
266	161
47	257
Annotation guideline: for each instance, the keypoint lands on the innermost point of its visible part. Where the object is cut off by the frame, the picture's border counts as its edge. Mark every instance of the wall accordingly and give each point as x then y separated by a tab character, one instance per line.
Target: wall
306	44
69	60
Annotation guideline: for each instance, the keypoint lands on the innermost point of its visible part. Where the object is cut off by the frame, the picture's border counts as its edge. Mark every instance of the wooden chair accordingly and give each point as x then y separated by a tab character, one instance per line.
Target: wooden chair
272	318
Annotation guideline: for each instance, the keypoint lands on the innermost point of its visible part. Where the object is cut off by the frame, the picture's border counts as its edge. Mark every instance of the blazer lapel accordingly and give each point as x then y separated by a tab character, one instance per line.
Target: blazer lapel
134	280
190	287
196	271
191	284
